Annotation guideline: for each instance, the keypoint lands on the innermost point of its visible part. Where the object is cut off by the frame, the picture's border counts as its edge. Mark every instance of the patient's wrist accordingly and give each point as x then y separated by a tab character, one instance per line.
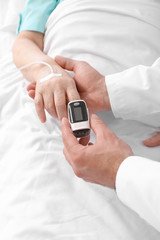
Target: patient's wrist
35	70
40	71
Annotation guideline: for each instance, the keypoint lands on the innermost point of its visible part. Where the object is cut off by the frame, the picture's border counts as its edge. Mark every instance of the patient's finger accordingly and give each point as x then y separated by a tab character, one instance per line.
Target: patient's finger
31	86
66	63
60	104
153	141
72	94
40	107
31	93
49	104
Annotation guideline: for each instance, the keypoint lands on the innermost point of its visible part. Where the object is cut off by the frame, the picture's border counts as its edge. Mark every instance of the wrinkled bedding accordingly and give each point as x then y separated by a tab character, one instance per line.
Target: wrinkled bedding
40	197
9	17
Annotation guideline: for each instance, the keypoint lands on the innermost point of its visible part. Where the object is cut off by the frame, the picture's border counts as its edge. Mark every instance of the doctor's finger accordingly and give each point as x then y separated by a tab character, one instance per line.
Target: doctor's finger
70	141
66	63
84	141
100	128
153	141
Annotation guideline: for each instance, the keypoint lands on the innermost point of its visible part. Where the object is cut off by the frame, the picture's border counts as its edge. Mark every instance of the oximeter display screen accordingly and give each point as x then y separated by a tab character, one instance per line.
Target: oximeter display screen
78	114
79	118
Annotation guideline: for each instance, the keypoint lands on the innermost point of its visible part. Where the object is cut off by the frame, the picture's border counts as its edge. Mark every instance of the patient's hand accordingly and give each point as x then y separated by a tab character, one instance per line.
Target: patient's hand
90	84
53	94
153	141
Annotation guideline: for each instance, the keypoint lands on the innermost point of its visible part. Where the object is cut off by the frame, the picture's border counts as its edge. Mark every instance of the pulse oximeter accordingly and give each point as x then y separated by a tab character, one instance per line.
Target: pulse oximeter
79	118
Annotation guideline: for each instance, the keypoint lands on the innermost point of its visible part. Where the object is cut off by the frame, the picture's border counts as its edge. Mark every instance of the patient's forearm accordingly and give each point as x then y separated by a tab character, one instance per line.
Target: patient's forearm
27	48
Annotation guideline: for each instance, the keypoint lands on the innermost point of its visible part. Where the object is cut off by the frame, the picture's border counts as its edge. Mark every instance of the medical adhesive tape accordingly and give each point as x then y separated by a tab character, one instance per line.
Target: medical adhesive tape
52	74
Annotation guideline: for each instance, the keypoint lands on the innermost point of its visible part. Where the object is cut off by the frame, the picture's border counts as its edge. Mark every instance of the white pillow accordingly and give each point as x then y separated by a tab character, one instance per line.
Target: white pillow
14	8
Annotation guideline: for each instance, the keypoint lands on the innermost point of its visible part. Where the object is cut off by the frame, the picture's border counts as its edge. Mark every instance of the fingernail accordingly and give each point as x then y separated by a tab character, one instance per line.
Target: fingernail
43	121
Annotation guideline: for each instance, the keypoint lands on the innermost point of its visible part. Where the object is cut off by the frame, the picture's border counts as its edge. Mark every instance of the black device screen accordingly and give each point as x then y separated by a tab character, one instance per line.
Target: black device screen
78	114
78	111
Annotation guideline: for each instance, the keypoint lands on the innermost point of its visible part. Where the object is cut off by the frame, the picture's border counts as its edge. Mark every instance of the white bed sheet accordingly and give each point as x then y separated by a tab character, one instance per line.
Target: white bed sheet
9	17
41	198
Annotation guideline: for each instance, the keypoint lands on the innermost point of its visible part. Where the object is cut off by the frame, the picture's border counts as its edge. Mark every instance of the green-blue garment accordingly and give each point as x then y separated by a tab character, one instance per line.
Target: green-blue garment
35	15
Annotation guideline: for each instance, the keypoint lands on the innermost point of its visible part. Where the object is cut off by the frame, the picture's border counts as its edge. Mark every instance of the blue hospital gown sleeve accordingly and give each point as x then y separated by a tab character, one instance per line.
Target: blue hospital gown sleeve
35	15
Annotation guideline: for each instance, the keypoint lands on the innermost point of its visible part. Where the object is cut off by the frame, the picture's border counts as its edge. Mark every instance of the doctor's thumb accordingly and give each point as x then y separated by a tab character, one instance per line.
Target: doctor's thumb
99	127
66	63
154	141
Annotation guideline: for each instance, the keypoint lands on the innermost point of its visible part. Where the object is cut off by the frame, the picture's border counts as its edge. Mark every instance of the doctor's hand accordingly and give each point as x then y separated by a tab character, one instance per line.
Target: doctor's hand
99	162
90	83
153	141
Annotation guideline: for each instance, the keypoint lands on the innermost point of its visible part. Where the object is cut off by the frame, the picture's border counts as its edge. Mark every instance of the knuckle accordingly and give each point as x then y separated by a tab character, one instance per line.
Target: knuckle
45	85
49	106
37	102
70	82
40	89
57	81
59	90
60	105
78	173
60	99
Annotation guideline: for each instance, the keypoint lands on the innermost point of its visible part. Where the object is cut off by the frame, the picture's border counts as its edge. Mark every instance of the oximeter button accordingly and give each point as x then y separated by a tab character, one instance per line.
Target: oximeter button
76	104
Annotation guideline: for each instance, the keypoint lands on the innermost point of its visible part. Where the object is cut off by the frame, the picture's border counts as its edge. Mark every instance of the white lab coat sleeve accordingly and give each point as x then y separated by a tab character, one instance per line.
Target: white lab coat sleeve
135	93
138	187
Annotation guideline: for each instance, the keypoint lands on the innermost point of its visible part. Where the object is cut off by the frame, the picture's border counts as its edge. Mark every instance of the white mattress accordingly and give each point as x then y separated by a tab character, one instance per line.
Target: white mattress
40	197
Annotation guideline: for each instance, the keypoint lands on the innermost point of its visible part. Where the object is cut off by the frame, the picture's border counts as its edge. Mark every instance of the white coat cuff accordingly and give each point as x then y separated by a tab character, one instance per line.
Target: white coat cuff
129	176
119	95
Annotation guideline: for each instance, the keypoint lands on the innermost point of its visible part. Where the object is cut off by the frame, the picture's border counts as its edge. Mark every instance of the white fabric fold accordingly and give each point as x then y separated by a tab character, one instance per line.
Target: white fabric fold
134	93
137	186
